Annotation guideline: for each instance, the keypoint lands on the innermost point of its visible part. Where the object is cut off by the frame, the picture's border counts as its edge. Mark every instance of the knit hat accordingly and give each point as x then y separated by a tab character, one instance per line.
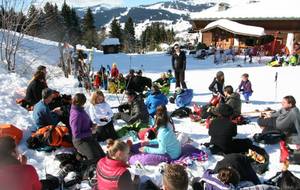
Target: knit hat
225	110
220	73
47	92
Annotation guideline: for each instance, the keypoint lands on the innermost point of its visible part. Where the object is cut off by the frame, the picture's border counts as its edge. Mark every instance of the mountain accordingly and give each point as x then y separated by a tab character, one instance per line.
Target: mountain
174	13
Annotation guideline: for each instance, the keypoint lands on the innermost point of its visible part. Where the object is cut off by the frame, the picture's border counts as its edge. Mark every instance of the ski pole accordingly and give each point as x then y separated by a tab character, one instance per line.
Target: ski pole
276	79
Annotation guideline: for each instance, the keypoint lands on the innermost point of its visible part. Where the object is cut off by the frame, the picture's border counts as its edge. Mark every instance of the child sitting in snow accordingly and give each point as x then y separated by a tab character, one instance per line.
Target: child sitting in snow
168	145
245	87
112	172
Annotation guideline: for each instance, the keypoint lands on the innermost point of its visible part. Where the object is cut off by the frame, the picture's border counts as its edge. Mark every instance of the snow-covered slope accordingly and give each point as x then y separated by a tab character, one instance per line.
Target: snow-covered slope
199	74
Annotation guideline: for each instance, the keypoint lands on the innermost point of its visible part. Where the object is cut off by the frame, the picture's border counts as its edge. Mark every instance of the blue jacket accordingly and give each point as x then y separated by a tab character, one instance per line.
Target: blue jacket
167	143
154	100
42	115
185	98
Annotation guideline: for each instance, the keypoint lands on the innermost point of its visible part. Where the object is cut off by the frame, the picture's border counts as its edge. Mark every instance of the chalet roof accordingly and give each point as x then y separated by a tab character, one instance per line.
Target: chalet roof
110	41
235	28
258	10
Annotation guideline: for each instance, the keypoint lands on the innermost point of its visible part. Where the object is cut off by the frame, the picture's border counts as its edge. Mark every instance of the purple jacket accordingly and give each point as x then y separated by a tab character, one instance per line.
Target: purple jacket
80	123
245	86
211	182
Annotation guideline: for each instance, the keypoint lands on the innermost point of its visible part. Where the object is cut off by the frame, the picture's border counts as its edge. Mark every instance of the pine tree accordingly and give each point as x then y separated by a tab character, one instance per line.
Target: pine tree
116	30
89	38
129	27
129	36
34	17
66	14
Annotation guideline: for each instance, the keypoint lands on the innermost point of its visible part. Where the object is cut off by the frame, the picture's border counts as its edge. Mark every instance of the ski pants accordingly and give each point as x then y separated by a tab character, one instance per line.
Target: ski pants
179	76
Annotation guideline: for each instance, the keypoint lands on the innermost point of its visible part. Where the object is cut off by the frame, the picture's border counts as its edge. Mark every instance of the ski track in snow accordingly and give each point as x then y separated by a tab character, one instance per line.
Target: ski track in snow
199	75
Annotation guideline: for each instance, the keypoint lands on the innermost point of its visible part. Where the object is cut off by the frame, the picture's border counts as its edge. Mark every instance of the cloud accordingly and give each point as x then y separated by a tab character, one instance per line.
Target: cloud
82	3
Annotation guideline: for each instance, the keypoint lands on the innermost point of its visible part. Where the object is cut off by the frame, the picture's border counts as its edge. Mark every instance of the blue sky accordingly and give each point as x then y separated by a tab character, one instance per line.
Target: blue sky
132	3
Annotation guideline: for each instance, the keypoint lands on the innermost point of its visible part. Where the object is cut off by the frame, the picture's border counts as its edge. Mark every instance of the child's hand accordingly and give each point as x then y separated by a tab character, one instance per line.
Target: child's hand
141	149
144	143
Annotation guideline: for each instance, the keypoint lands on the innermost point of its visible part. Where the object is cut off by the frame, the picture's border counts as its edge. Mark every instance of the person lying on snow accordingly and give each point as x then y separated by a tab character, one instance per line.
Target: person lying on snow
182	97
222	130
155	99
285	120
81	127
133	111
166	140
163	83
16	174
234	171
42	115
112	172
101	116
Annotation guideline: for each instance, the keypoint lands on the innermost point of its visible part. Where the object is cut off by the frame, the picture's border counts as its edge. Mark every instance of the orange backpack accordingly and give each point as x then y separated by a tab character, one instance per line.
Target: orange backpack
56	136
12	131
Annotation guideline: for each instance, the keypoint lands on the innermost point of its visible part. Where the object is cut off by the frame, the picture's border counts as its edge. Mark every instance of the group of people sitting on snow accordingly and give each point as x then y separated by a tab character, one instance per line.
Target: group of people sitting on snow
284	59
154	138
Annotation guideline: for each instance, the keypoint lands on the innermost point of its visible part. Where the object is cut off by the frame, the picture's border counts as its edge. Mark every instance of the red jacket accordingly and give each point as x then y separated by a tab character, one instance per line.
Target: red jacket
19	177
97	81
109	172
114	72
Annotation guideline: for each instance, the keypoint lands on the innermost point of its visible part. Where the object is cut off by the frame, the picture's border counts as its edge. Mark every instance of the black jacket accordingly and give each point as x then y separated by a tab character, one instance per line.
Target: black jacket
222	130
216	87
138	83
241	164
179	61
137	111
34	91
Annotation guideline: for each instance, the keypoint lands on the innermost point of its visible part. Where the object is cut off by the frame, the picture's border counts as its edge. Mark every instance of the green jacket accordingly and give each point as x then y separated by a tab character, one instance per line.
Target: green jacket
235	102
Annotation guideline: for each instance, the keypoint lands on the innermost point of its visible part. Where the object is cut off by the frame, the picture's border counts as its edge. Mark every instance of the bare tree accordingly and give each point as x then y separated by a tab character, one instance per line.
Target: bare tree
15	23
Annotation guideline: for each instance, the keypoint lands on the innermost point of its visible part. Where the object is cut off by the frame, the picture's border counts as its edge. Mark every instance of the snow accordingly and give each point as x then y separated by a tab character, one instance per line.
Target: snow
235	28
260	9
199	74
110	41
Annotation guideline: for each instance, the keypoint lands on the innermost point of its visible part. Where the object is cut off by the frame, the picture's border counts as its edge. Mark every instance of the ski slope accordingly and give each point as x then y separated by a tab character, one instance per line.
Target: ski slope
199	75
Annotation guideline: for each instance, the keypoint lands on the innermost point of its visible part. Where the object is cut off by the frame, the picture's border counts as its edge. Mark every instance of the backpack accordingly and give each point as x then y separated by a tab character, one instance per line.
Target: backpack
269	137
181	112
259	168
12	131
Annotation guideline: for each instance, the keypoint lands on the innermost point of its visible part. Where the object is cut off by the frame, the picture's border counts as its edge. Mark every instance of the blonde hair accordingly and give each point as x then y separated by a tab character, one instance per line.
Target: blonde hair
95	95
114	146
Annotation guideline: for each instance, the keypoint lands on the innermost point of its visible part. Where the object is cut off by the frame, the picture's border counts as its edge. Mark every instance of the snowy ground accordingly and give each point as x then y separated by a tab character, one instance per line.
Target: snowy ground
199	74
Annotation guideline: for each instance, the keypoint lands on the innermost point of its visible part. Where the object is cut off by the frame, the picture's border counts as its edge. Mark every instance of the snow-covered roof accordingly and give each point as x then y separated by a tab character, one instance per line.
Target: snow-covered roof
235	27
245	9
110	41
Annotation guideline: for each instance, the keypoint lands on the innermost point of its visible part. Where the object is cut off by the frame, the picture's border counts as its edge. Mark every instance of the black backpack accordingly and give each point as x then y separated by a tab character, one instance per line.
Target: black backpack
181	112
260	168
269	137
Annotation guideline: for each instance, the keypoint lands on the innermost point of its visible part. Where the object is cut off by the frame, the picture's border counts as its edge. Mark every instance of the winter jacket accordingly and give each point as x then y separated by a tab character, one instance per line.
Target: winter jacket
19	177
154	100
42	115
114	72
245	86
80	123
138	83
241	164
235	102
167	143
100	111
179	61
184	99
34	91
216	87
222	131
211	182
163	82
137	111
113	175
288	121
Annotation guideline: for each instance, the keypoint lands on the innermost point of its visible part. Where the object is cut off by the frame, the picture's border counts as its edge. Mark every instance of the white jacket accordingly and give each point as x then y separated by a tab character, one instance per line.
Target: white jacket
100	111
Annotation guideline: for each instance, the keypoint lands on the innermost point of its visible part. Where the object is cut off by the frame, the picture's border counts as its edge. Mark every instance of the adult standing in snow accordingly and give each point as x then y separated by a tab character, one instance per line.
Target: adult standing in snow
179	66
81	127
286	120
101	116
